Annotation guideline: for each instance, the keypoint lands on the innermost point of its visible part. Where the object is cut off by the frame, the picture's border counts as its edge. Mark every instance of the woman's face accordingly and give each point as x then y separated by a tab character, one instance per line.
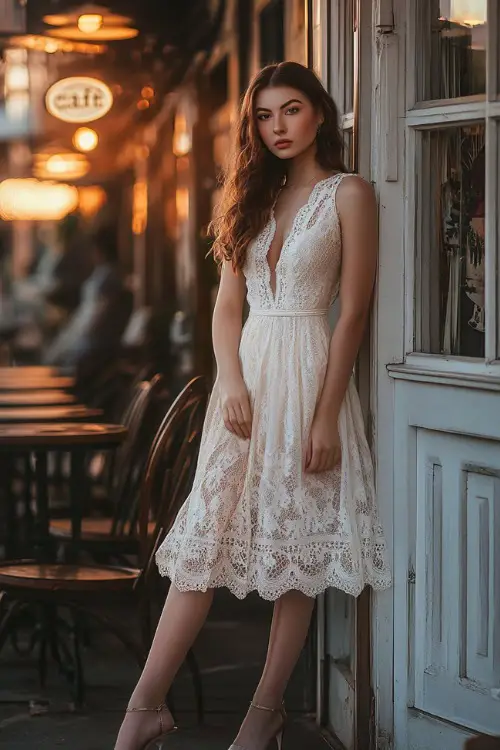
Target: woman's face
286	120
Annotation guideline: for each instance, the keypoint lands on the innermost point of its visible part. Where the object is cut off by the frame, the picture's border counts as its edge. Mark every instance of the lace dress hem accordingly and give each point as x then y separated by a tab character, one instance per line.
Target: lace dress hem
308	566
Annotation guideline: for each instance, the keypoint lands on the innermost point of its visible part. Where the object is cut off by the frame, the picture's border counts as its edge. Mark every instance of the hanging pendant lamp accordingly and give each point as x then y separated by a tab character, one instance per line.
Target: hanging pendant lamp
91	23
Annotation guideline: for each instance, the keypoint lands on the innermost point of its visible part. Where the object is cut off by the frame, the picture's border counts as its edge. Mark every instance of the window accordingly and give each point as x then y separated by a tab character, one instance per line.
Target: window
453	34
451	195
453	173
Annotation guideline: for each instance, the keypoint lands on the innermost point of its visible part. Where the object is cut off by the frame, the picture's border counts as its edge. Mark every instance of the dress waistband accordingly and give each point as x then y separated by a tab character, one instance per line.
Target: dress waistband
275	313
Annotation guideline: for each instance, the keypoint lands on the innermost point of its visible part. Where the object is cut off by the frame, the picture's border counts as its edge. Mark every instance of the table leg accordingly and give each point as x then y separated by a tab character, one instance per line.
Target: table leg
78	488
28	513
42	507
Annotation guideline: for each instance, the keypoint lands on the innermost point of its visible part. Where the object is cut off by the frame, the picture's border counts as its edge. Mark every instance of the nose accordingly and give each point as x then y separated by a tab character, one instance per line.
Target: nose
279	125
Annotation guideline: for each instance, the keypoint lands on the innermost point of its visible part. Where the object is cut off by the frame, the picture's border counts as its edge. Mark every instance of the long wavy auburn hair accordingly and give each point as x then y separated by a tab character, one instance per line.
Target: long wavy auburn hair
255	175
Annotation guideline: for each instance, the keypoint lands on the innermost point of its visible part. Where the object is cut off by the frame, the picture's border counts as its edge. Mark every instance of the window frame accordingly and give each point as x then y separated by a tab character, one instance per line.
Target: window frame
439	114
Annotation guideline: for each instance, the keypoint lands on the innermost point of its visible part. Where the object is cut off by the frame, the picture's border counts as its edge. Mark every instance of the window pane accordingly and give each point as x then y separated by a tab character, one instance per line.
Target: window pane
452	41
451	231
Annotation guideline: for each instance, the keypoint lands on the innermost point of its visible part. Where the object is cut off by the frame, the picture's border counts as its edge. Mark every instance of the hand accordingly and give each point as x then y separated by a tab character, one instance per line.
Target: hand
324	449
236	410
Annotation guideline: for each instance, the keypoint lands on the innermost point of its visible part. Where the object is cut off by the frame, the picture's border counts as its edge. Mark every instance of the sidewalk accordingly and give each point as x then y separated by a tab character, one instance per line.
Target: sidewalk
230	651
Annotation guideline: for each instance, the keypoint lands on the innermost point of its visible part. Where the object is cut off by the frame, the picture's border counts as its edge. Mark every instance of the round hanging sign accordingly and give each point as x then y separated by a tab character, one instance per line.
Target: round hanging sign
79	99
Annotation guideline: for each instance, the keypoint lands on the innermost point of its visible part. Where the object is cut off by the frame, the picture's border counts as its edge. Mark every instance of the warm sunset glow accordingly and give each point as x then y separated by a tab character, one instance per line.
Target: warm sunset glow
85	139
467	12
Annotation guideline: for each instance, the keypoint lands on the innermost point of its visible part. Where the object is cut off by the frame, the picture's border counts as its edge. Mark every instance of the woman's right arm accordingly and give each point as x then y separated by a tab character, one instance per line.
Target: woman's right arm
226	333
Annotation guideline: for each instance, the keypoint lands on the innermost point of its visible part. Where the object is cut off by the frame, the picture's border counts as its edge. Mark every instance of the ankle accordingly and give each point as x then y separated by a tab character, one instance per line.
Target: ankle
270	700
146	700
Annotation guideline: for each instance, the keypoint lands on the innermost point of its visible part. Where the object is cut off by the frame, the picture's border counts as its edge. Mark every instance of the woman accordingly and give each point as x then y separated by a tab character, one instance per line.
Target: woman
283	498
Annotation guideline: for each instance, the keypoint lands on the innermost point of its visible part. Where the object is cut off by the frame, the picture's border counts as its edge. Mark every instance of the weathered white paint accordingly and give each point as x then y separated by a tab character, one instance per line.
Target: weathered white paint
447	473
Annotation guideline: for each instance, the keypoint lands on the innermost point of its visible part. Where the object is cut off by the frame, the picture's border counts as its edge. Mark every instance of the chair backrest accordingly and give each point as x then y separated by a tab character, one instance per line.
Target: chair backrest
170	467
141	419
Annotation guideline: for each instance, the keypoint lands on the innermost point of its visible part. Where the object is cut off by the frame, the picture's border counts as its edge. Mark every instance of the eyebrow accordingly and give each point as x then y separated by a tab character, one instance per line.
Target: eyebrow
283	106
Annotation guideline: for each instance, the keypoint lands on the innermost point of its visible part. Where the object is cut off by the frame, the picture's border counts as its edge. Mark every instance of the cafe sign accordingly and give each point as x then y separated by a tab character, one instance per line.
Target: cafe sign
79	99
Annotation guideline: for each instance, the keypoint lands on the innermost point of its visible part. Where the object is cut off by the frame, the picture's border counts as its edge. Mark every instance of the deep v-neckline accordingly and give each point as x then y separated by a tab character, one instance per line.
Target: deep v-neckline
274	226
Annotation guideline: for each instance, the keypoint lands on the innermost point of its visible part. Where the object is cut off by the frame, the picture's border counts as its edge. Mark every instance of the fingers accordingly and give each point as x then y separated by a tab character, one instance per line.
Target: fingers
322	459
231	421
245	418
308	455
237	419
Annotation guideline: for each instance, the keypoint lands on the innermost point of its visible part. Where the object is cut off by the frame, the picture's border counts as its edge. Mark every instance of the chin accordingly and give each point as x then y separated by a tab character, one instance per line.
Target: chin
289	153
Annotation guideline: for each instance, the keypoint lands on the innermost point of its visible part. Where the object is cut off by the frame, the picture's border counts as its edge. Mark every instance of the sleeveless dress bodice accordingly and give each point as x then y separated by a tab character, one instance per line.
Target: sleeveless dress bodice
308	268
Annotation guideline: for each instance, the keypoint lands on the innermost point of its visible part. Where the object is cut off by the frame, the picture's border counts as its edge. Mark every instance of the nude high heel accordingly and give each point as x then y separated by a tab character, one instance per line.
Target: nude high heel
279	734
156	743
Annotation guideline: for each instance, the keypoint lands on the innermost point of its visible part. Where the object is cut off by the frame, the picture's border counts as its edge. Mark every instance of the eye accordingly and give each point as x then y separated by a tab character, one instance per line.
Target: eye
263	116
292	110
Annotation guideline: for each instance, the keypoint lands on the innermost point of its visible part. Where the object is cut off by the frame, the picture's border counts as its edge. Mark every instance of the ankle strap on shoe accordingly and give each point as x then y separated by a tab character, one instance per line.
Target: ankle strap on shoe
158	710
266	708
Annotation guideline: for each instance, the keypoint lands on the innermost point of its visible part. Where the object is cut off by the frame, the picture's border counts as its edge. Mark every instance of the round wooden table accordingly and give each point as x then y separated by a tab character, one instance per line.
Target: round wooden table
40	439
28	414
30	370
36	398
14	382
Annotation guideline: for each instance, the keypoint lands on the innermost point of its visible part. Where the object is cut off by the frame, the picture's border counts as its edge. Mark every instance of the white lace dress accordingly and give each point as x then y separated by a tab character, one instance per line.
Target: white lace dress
254	519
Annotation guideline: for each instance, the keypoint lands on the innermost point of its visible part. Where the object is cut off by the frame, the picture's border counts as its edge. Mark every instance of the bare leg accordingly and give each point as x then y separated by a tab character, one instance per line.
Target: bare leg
180	622
291	620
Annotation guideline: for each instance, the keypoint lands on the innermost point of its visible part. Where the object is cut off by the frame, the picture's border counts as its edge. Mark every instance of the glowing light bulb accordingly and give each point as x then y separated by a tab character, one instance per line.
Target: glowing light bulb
85	139
89	23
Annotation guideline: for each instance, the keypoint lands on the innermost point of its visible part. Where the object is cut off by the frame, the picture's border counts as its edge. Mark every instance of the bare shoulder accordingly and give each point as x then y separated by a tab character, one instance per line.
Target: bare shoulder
354	193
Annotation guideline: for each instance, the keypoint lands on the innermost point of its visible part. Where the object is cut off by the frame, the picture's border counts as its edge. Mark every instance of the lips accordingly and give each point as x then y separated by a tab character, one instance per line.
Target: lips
283	144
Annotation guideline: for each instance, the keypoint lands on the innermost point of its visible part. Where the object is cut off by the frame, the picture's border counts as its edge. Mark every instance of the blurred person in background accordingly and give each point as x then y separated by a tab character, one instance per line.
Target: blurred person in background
91	338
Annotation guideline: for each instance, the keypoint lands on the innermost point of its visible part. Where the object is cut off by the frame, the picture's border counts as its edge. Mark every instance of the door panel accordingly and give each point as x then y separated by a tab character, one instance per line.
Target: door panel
457	622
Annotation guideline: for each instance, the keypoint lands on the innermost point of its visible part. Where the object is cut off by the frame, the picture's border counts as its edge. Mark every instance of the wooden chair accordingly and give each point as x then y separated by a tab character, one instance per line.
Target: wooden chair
113	537
89	590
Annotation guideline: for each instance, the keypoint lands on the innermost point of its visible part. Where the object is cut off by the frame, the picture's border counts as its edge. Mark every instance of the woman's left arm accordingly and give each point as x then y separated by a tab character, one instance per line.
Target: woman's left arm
357	211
